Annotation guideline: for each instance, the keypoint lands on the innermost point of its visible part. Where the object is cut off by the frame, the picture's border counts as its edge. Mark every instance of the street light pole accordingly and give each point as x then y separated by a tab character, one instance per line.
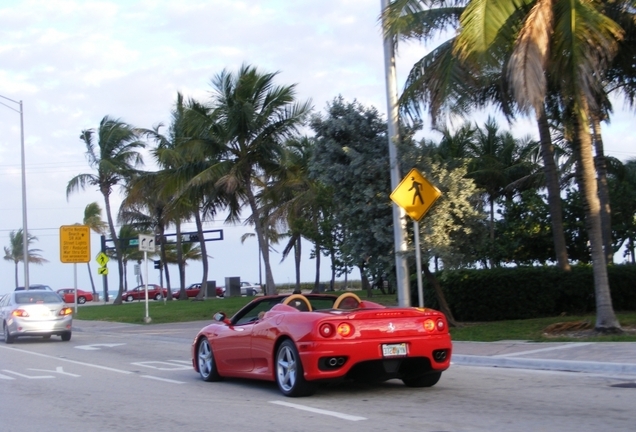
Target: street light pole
399	215
25	231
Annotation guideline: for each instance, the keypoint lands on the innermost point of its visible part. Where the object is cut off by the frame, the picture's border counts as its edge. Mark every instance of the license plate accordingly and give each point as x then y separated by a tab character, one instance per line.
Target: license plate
394	350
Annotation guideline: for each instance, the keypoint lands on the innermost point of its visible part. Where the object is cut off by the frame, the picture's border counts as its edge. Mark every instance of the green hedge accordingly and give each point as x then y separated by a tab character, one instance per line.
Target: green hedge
527	292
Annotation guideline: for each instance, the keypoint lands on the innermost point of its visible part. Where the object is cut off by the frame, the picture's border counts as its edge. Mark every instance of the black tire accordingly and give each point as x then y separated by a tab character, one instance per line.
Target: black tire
66	336
81	300
158	297
428	380
289	372
206	363
129	298
8	339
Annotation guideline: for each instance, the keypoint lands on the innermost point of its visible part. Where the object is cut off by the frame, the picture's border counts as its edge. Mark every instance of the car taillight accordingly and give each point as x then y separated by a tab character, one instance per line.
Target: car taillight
441	325
65	311
345	329
429	325
20	313
326	330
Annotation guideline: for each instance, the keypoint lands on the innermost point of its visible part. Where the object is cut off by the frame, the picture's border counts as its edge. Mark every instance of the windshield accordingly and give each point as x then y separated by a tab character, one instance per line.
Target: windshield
28	297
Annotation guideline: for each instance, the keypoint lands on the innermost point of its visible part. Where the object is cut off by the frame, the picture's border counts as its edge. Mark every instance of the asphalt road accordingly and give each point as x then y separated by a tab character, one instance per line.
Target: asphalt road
121	377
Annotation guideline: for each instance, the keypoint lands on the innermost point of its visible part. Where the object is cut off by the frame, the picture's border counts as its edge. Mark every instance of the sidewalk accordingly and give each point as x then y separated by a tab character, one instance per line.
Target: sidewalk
617	358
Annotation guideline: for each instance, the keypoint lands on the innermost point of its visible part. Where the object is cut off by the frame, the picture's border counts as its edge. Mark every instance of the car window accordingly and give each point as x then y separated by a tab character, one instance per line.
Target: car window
33	297
251	311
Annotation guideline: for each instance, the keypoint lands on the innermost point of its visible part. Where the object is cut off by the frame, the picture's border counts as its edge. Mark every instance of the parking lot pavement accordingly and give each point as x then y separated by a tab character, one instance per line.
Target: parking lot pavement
618	358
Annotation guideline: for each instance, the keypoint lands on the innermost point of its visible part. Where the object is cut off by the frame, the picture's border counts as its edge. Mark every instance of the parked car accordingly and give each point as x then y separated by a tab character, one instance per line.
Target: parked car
193	291
68	295
250	289
35	287
340	337
35	313
139	293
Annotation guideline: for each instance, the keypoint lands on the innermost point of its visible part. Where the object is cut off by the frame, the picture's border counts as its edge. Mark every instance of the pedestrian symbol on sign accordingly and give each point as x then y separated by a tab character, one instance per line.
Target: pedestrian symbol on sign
415	194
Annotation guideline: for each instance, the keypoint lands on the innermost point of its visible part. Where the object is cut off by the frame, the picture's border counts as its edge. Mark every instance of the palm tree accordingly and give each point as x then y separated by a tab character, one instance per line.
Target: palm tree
443	82
15	251
114	157
561	46
252	117
498	160
93	220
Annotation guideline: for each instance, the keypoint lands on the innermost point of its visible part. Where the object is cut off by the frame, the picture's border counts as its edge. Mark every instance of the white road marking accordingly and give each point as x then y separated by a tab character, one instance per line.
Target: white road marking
28	376
162	379
571	345
4	377
57	370
67	360
95	347
171	366
319	411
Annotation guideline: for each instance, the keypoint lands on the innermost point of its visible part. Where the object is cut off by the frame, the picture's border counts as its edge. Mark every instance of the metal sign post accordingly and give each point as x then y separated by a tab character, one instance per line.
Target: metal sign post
147	244
75	247
415	194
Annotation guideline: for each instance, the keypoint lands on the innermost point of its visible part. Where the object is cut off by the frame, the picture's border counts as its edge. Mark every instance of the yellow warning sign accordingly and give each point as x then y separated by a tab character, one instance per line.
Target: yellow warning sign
75	244
415	194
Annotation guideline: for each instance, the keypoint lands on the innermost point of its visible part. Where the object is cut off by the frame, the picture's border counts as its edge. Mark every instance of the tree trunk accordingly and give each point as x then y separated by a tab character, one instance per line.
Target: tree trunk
441	299
263	243
363	279
180	264
297	260
605	317
113	234
162	250
603	191
317	279
90	275
204	255
554	192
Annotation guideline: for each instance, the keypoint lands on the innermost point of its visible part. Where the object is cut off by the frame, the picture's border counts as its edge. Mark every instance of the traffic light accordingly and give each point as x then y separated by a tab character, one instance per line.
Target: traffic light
194	237
158	264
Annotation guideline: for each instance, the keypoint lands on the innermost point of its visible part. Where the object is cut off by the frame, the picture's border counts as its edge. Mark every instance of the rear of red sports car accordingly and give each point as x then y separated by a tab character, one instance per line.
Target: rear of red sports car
378	344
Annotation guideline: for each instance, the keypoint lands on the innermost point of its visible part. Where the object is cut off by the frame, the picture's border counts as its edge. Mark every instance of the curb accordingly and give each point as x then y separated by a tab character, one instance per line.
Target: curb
542	364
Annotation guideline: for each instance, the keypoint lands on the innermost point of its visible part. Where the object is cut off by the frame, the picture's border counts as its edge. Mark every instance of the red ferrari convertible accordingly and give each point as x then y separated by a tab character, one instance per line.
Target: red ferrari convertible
300	340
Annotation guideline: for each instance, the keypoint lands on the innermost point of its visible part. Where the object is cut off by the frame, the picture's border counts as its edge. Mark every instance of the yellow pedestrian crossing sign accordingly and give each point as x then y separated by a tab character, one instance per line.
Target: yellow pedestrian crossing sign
102	259
415	194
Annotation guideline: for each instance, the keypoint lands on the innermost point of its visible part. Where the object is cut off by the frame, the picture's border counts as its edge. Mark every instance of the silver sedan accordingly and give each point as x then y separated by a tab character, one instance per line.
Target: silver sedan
35	313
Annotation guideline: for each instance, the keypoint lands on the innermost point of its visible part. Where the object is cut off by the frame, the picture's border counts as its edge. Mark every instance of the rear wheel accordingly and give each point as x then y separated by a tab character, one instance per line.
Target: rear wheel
66	336
428	380
289	372
81	300
158	297
206	363
8	339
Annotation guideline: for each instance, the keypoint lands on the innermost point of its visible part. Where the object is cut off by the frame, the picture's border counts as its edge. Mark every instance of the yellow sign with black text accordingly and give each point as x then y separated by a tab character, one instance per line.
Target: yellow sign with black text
415	194
75	244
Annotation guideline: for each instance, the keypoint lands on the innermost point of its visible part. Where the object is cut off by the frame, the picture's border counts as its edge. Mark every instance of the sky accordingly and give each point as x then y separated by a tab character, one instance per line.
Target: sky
72	62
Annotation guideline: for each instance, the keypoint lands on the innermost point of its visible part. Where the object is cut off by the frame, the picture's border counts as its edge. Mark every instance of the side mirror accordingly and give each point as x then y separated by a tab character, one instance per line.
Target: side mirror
219	316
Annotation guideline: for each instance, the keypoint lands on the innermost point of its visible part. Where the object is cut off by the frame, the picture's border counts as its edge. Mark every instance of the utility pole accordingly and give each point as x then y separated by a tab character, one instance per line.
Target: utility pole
399	215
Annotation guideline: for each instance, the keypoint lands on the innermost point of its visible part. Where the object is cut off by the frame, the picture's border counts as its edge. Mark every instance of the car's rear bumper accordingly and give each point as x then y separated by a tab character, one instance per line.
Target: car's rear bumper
424	353
26	327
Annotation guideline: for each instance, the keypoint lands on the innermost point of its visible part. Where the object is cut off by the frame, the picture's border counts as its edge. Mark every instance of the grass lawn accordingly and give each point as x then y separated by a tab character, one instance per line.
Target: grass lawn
188	310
